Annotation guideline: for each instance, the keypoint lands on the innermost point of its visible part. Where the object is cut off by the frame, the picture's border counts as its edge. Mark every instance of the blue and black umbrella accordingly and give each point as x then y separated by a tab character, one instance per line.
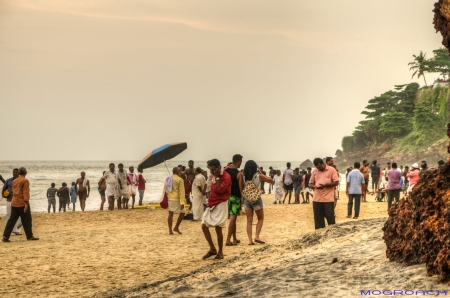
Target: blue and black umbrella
161	154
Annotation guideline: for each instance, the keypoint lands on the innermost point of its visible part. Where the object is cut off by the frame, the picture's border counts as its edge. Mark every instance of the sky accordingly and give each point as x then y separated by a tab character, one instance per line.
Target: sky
270	80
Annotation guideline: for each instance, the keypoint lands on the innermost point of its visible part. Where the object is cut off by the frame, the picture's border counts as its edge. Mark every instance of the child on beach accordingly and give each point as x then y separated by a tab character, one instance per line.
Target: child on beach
73	195
278	187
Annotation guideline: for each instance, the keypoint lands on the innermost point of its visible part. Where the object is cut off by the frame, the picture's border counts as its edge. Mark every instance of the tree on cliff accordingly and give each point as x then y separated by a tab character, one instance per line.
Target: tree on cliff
440	62
420	65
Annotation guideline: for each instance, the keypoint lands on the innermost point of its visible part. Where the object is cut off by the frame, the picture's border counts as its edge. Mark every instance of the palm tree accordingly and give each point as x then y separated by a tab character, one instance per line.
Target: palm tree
420	66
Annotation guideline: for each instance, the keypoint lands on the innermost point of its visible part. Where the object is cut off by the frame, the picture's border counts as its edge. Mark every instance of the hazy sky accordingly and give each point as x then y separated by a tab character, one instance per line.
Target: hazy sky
271	80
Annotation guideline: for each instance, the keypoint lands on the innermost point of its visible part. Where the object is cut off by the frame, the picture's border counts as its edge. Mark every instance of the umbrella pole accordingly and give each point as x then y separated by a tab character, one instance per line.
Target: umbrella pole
166	166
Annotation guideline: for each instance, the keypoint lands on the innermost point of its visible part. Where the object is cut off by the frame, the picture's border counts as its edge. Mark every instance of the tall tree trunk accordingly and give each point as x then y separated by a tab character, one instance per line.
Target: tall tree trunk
424	79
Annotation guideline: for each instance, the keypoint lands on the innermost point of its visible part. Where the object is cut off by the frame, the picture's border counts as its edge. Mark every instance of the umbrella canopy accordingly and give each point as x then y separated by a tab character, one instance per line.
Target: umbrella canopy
161	154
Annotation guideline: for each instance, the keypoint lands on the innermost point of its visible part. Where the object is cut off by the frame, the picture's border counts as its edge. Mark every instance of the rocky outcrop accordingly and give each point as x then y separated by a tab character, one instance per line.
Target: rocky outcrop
418	228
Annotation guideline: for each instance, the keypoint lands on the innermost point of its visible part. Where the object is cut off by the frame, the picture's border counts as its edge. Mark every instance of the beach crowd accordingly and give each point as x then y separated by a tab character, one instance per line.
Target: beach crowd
221	193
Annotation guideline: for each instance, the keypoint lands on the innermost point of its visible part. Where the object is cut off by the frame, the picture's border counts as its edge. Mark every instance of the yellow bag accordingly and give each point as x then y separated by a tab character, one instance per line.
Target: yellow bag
6	193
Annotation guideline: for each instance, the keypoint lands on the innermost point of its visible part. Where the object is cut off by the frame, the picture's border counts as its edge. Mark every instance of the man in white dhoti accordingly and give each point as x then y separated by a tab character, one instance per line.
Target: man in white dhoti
198	191
216	213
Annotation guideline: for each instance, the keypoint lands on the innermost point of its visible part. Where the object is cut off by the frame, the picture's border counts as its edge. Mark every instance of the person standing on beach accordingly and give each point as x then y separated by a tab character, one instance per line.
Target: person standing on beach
8	186
73	195
252	175
287	180
198	191
413	177
174	188
355	180
306	188
188	191
297	181
190	170
84	188
365	171
216	213
110	177
323	180
133	182
141	185
121	187
278	187
235	200
261	169
20	207
64	196
394	186
101	190
272	174
375	173
51	197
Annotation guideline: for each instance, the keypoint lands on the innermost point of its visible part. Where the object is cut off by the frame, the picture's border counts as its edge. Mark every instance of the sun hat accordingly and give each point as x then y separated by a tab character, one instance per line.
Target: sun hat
415	165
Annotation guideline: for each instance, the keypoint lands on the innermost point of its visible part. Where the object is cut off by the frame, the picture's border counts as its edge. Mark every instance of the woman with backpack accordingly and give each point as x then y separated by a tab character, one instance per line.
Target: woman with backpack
252	198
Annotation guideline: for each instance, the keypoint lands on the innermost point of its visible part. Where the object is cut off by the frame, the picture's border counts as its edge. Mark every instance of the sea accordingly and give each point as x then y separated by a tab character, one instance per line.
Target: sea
42	174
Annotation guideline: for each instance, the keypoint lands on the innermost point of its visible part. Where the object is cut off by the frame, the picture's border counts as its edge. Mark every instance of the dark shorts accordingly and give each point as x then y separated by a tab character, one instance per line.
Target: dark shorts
234	205
375	180
102	192
298	189
82	195
288	187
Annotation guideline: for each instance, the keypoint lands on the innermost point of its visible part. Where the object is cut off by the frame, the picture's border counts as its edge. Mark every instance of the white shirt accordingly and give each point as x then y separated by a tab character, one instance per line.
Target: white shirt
288	176
278	181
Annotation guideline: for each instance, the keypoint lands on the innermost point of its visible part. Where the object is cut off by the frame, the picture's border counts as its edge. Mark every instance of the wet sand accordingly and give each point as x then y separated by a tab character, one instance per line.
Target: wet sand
102	253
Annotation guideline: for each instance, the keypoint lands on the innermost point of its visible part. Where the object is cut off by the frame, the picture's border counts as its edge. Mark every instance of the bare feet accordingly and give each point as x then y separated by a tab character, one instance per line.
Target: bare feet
177	230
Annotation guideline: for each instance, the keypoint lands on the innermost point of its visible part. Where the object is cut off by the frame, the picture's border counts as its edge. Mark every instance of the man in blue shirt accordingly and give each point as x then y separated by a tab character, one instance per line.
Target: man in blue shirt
355	180
8	186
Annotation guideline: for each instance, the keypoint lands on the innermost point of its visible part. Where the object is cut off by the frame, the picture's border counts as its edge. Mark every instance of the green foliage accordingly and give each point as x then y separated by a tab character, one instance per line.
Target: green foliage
440	62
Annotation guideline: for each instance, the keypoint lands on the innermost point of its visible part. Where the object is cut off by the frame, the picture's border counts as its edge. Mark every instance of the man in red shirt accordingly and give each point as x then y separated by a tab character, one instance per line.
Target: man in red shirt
141	185
216	213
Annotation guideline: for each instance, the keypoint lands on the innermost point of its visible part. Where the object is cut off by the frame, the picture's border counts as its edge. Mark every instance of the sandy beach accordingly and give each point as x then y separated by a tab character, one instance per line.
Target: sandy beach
118	254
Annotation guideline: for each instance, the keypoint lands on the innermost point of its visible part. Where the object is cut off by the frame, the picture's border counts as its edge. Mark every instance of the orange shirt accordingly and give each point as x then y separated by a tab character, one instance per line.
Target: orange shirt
326	176
21	192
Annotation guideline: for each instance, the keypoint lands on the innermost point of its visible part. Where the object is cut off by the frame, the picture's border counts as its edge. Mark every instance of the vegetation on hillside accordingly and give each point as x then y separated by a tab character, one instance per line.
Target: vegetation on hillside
407	118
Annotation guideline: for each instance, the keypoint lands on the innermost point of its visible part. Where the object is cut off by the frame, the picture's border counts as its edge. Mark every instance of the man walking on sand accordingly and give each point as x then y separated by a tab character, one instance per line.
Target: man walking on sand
364	169
272	174
235	200
323	180
20	207
355	180
132	183
215	214
174	188
287	180
375	173
84	188
110	177
8	186
141	186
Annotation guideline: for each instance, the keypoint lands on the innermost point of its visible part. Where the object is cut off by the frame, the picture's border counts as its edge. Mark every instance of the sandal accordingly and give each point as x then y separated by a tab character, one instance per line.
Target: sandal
6	240
349	216
237	241
251	243
33	238
209	254
218	257
260	242
355	217
230	244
